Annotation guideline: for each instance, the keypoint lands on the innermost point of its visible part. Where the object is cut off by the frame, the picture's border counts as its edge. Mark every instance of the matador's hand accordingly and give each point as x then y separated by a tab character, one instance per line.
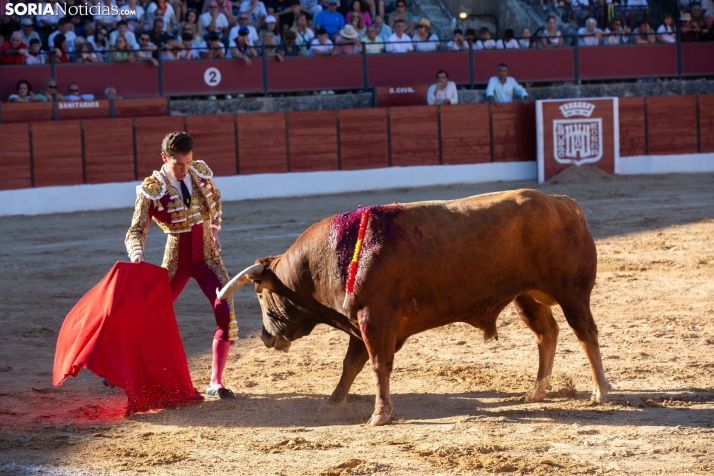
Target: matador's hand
215	239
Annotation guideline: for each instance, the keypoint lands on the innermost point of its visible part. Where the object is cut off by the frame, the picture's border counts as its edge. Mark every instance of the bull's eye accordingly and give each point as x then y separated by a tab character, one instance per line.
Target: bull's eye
260	296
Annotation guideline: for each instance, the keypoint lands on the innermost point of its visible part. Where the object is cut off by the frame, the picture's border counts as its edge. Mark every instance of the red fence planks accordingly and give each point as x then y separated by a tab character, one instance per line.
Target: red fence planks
15	153
26	111
57	153
415	135
672	124
150	131
109	150
137	107
261	143
706	122
632	126
628	61
313	140
514	132
363	138
215	143
465	134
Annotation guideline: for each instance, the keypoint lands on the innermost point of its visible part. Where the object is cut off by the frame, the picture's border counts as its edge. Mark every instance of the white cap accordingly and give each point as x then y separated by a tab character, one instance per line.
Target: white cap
270	19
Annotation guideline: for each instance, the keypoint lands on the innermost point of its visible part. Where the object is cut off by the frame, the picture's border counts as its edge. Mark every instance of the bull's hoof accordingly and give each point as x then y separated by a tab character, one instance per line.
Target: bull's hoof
596	398
539	391
380	419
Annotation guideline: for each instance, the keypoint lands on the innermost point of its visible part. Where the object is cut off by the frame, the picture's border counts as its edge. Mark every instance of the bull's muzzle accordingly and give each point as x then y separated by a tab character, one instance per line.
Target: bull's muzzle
277	343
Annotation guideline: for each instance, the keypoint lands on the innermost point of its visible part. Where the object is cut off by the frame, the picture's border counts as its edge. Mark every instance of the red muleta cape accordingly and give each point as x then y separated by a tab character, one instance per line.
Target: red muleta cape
124	329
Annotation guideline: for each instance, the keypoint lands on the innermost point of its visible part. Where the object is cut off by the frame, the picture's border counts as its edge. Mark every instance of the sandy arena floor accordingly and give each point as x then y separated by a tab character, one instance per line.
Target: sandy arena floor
458	402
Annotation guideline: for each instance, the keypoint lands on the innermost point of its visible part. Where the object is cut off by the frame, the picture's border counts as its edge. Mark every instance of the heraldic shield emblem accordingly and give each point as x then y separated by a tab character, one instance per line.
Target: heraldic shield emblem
577	141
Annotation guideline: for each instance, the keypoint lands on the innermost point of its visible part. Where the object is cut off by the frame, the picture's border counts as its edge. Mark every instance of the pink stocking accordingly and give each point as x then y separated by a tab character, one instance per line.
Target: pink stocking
220	356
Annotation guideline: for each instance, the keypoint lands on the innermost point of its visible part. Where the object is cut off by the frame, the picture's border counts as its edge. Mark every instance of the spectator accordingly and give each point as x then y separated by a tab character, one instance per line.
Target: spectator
288	47
121	53
322	46
358	9
347	41
214	22
50	92
501	88
272	26
666	31
123	30
644	35
590	34
192	18
13	50
384	31
27	33
404	15
75	95
82	21
525	41
689	31
215	47
358	24
443	92
148	50
168	14
311	7
617	34
60	49
253	38
111	93
188	49
282	11
697	14
64	28
269	45
86	54
507	42
170	23
107	21
171	50
256	11
458	43
241	47
135	21
100	40
157	36
485	42
551	37
424	39
225	7
23	90
707	33
399	42
48	23
304	35
331	20
34	54
372	43
470	36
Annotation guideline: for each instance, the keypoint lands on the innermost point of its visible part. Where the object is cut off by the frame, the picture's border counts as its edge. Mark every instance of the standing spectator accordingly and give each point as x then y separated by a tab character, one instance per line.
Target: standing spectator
256	11
50	92
689	31
372	43
123	30
358	24
383	30
23	92
304	35
322	46
347	41
707	33
666	31
60	49
697	14
75	95
525	41
135	21
13	50
485	42
192	18
100	40
215	47
424	39
157	36
590	34
86	55
358	9
288	47
34	54
399	42
443	92
507	42
644	35
214	22
148	50
27	33
272	26
404	15
551	37
617	34
107	21
64	28
241	47
458	43
501	88
253	38
331	20
121	53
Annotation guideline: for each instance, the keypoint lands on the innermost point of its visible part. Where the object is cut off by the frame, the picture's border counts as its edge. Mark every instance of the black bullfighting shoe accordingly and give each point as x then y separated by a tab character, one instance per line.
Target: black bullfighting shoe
219	392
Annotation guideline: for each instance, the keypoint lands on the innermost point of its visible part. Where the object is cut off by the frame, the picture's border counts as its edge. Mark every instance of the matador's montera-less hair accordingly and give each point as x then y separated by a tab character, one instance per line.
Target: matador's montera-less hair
176	142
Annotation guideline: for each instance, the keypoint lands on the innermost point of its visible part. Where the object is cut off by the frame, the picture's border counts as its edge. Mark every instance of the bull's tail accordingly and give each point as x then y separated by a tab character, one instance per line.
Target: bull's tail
573	207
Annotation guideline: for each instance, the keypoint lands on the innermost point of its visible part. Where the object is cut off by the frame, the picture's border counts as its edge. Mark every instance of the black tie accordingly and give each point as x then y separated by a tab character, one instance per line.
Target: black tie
186	195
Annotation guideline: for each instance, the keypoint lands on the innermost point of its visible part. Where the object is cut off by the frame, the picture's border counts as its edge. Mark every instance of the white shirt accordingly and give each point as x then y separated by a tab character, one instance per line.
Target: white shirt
484	45
175	182
255	14
589	39
221	21
70	36
393	45
449	92
168	14
304	38
666	33
138	9
41	58
252	35
511	44
454	47
524	43
99	49
130	38
372	47
616	37
430	44
316	46
49	19
504	92
636	3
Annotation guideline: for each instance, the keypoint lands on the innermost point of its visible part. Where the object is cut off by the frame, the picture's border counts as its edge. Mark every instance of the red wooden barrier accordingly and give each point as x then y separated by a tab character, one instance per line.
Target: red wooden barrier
514	132
211	77
526	65
400	70
698	59
98	109
313	140
215	141
261	143
129	79
150	131
415	135
333	72
10	75
629	61
465	134
57	153
26	111
632	126
672	124
109	150
363	138
15	153
706	122
138	107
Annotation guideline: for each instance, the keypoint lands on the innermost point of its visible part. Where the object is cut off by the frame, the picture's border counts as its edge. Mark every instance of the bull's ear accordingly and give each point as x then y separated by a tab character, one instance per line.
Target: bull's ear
265	280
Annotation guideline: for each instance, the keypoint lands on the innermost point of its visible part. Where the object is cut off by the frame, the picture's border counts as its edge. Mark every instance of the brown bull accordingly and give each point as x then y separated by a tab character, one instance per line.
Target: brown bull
427	264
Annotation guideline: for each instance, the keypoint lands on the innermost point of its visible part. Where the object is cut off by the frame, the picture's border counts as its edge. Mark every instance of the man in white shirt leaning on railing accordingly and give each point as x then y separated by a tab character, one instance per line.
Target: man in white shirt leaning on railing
443	92
501	88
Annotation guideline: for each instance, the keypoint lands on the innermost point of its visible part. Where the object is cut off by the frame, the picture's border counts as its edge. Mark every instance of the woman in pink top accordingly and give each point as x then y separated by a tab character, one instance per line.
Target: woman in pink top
359	9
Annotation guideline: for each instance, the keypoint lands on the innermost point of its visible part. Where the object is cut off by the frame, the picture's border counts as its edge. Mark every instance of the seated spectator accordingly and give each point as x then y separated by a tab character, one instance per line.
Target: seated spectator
50	92
507	42
616	34
111	93
590	34
75	95
525	41
215	47
331	20
358	9
224	6
282	11
23	92
402	14
288	47
255	10
644	35
27	33
64	28
689	31
169	22
666	31
47	23
321	45
78	15
269	45
501	88
303	34
424	39
123	30
358	24
100	40
470	36
697	14
192	18
188	50
271	25
551	36
707	33
458	43
157	35
384	31
34	54
443	92
135	21
148	50
171	50
214	22
347	41
86	54
399	42
311	7
122	53
13	50
60	49
371	42
168	14
253	38
107	21
485	42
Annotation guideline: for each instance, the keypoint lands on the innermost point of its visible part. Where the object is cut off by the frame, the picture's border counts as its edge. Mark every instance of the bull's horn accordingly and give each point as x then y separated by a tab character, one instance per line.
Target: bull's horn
237	282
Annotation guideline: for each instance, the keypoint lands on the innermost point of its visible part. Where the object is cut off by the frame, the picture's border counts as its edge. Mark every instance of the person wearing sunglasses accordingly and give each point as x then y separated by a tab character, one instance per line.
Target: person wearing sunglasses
402	14
243	22
75	95
50	93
